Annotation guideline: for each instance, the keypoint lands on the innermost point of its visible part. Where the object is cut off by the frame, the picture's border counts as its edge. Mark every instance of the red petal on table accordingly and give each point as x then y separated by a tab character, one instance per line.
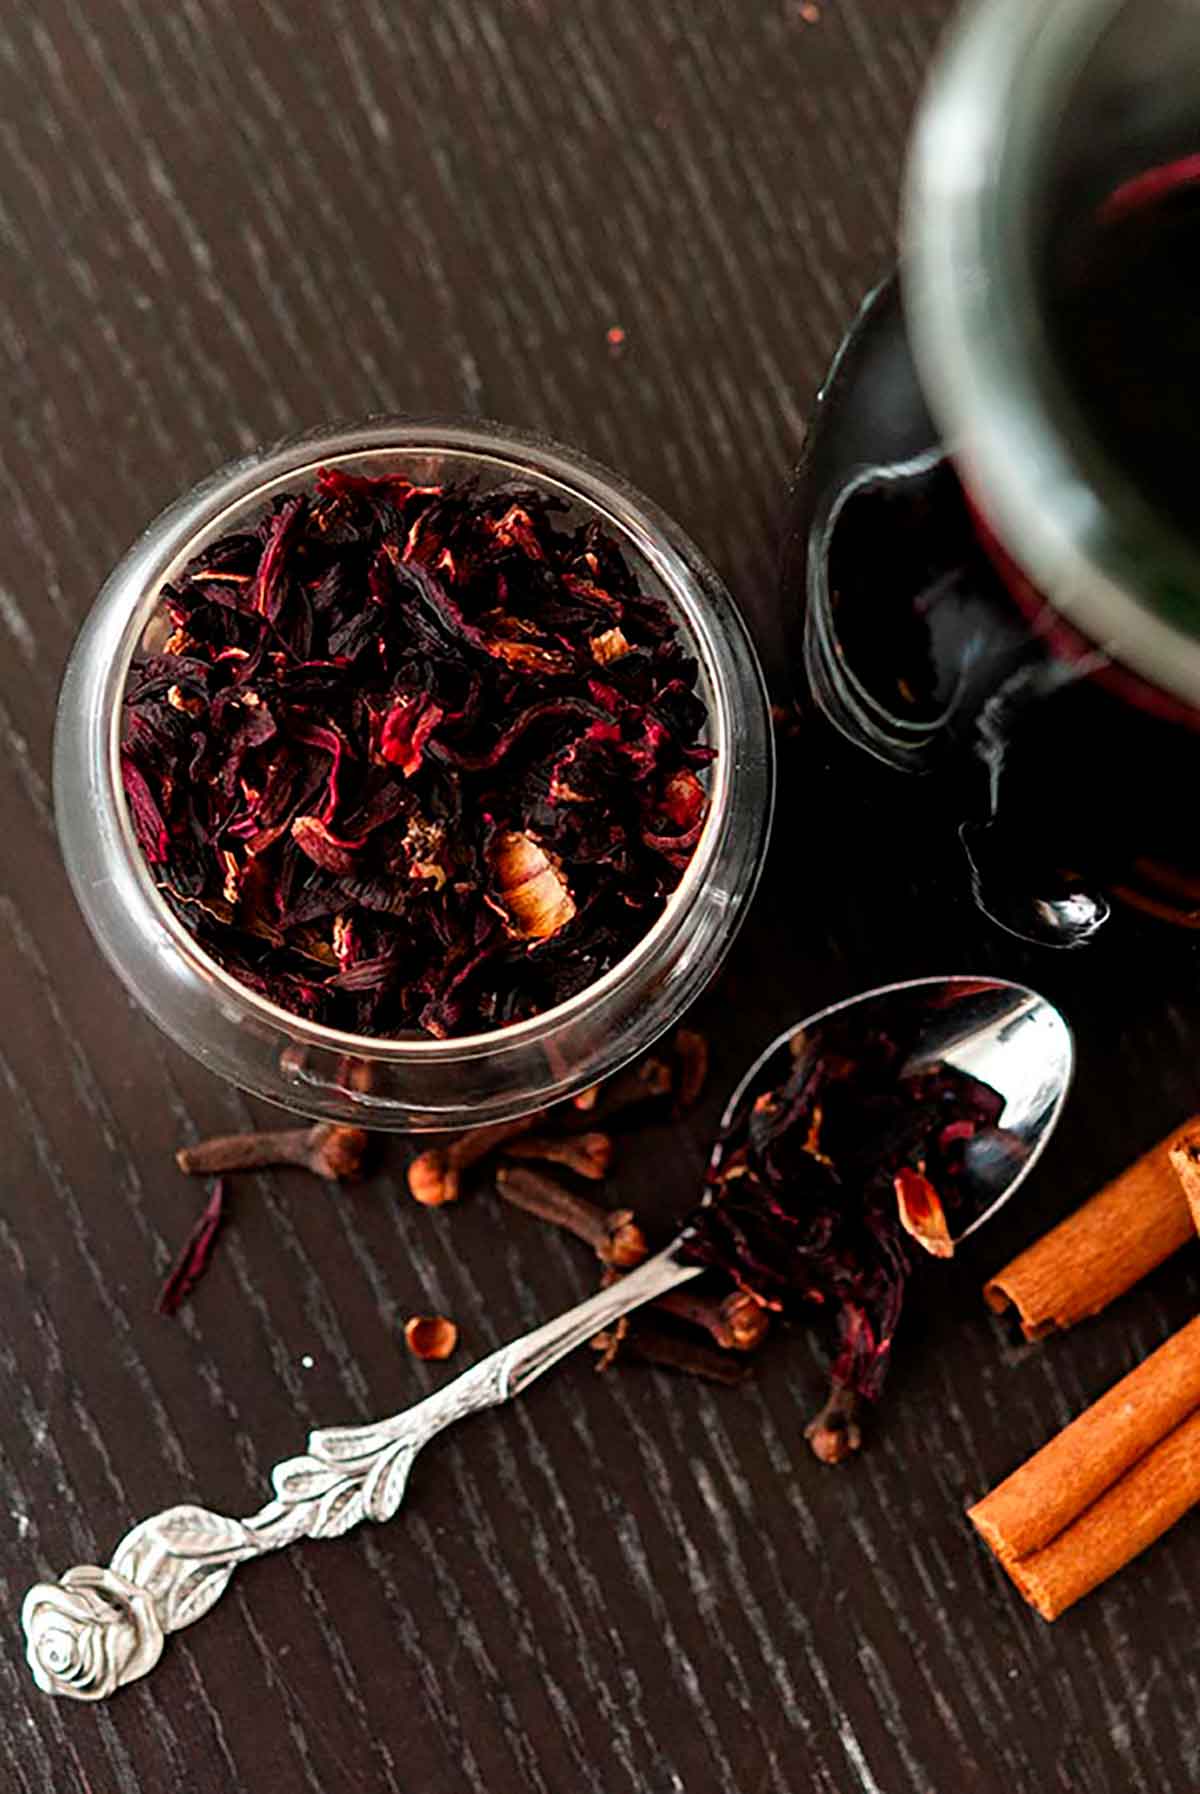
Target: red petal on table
193	1261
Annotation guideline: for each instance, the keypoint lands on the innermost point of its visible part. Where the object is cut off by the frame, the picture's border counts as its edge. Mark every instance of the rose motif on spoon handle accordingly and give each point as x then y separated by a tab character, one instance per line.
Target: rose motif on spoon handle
90	1632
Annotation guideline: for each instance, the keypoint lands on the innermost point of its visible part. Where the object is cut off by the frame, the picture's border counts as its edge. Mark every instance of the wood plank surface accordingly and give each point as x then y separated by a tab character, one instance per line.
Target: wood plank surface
223	220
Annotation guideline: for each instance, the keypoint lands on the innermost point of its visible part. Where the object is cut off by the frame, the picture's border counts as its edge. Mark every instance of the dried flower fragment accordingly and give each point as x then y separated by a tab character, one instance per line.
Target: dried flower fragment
610	644
921	1213
178	699
315	838
430	1335
194	1260
530	889
406	728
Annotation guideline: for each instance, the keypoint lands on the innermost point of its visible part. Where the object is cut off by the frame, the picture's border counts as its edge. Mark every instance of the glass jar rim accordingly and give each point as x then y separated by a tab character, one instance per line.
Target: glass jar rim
691	587
996	88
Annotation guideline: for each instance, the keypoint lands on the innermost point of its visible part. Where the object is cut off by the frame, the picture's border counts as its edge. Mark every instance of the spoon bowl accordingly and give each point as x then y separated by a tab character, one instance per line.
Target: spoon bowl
1004	1034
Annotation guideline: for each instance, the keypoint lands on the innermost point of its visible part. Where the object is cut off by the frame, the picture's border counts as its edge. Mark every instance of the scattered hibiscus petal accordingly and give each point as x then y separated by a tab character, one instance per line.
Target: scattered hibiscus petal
610	644
193	1261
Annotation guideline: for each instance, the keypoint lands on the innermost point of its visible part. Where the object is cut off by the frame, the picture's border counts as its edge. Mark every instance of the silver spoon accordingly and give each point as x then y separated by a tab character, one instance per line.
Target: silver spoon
95	1629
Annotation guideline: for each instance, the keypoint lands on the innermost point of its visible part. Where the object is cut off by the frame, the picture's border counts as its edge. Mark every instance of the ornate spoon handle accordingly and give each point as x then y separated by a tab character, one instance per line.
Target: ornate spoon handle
95	1629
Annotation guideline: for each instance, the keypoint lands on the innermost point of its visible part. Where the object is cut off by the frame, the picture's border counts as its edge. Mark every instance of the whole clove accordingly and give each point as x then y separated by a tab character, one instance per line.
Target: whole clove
613	1234
736	1322
325	1149
834	1433
691	1056
671	1351
608	1342
635	1086
587	1155
434	1177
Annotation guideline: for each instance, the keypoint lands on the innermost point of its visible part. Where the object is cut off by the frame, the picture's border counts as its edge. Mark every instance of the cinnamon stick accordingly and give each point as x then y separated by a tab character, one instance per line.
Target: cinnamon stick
1103	1249
1053	1488
1185	1162
1106	1487
1129	1517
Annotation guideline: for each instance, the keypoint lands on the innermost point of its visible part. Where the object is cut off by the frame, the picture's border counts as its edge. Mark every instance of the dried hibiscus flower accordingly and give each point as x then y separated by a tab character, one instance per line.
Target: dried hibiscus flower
828	1164
415	758
197	1252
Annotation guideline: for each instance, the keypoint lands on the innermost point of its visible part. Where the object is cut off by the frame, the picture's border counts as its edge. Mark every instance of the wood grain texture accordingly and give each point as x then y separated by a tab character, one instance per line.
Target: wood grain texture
220	222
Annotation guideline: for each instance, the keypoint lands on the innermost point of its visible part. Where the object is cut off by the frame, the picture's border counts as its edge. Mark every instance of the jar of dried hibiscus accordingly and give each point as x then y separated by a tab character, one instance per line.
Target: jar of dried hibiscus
415	773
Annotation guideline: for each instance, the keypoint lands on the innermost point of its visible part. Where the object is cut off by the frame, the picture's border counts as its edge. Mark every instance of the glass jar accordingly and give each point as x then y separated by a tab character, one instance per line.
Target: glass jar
412	1083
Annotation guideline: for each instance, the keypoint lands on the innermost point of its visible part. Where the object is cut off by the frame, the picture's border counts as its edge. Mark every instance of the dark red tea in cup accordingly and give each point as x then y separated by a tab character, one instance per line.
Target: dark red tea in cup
1065	770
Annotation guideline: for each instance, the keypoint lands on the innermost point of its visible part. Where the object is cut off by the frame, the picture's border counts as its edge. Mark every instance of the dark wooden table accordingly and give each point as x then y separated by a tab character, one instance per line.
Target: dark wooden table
224	221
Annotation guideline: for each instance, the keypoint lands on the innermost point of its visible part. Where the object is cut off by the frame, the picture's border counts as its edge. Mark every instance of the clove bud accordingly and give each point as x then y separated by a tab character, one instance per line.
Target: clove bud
587	1155
647	1081
434	1175
736	1322
834	1434
691	1054
670	1350
324	1149
613	1234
